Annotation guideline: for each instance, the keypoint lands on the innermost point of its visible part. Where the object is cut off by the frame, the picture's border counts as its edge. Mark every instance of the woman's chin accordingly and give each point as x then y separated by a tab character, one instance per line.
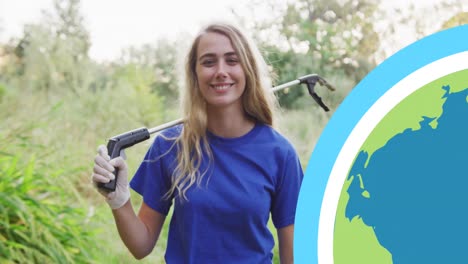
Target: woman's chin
223	103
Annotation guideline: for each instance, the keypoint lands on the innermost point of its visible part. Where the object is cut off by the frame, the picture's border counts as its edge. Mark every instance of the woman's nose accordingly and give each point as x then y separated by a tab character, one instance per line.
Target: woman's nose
221	71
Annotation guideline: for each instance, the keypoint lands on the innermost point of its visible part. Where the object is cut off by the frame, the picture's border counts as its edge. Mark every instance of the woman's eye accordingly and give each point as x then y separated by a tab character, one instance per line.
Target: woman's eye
208	62
232	61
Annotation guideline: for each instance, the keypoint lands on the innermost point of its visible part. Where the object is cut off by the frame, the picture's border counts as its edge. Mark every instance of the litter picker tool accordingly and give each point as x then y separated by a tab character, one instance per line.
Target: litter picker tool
120	142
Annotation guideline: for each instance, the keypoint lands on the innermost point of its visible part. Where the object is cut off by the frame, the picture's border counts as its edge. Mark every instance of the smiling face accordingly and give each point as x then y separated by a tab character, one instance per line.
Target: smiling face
220	76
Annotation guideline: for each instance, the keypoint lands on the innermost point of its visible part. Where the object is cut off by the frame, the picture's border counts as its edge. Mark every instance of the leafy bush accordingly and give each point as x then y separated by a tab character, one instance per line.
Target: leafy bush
37	225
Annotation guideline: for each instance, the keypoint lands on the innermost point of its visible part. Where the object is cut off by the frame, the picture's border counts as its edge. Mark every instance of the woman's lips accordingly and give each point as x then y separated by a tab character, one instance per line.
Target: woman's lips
222	86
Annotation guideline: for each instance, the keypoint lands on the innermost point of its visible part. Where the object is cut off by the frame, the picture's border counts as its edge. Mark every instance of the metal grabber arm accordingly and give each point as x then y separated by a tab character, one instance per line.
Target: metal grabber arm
120	142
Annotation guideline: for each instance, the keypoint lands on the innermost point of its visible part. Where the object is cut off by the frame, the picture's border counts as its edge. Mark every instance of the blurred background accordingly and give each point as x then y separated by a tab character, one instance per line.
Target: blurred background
74	73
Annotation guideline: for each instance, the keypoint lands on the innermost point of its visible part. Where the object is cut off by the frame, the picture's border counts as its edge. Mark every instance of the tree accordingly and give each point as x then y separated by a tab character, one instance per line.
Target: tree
329	37
161	60
53	55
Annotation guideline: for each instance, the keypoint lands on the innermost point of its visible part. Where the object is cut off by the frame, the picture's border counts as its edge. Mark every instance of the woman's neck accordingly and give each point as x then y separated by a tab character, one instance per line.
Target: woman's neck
229	122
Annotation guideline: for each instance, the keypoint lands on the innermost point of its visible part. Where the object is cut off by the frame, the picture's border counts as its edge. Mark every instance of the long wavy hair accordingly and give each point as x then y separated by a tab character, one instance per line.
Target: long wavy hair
258	101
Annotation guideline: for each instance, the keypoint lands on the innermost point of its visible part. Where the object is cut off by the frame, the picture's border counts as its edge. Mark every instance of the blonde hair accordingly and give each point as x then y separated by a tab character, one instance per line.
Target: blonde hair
258	102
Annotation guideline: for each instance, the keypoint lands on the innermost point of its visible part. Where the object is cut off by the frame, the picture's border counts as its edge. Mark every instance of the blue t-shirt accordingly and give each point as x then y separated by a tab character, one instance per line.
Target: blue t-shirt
225	218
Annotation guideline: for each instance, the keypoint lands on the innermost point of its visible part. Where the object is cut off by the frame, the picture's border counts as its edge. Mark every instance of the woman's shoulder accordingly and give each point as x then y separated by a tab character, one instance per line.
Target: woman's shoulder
165	139
271	135
171	132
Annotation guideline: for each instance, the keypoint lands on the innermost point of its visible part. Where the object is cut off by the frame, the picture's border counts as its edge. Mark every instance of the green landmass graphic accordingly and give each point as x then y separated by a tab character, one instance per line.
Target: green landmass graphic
426	101
354	242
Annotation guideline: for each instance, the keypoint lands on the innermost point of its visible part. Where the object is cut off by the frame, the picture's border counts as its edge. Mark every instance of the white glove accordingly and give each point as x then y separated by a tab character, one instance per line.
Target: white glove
103	173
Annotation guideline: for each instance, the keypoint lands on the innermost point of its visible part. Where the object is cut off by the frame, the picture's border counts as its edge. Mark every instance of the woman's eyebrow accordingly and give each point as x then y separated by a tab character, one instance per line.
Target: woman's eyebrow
211	55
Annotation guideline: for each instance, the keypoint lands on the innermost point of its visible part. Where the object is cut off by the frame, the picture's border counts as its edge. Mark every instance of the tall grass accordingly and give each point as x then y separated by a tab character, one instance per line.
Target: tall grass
49	212
39	223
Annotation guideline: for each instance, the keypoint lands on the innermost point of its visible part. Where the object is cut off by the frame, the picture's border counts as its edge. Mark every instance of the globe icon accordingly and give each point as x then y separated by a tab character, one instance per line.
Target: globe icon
405	198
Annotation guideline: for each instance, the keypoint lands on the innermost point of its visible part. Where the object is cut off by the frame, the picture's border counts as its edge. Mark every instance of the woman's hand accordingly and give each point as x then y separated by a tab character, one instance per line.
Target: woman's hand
103	173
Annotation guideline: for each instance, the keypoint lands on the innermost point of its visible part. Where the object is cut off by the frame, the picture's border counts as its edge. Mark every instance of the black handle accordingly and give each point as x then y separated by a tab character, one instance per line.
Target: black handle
117	144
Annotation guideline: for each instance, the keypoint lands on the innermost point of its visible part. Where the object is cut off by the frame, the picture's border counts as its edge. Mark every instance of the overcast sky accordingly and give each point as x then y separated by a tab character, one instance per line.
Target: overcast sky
116	24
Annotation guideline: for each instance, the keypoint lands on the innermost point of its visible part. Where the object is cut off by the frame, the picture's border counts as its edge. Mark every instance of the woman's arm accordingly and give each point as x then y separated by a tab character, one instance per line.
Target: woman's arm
139	233
285	239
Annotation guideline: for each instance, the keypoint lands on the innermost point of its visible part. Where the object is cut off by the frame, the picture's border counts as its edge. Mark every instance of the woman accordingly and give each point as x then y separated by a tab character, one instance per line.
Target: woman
225	169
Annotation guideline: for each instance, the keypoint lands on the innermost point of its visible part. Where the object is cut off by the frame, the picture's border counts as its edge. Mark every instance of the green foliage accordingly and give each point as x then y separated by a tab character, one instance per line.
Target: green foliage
288	66
39	222
340	34
54	53
63	136
160	65
57	106
42	216
327	37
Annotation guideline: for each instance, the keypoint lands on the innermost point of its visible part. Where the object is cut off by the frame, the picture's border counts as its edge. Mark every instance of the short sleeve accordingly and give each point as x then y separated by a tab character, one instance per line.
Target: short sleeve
152	179
287	188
